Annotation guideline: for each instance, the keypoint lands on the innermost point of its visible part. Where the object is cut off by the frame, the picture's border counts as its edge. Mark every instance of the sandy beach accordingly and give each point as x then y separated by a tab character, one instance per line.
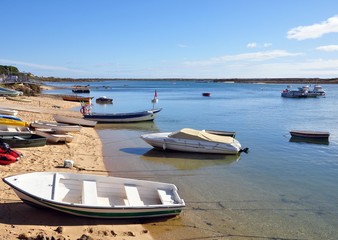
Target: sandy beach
18	220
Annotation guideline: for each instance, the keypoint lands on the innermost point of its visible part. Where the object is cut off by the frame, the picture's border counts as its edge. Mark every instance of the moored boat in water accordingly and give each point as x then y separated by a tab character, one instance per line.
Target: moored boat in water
191	140
147	115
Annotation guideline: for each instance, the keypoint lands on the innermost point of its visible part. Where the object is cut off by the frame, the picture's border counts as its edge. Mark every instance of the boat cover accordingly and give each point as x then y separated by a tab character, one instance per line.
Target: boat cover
200	135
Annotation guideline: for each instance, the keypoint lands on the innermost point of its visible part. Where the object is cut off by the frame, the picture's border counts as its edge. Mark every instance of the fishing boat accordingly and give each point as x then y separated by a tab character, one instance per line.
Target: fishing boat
7	111
97	196
74	121
191	140
148	115
76	98
9	130
104	100
54	137
58	127
33	140
309	134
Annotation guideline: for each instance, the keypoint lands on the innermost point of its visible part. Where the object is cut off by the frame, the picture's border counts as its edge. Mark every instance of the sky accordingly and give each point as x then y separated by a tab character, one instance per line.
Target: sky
171	38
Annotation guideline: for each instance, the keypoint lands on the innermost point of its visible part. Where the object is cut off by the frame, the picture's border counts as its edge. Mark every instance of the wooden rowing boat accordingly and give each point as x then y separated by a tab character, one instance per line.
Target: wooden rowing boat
75	98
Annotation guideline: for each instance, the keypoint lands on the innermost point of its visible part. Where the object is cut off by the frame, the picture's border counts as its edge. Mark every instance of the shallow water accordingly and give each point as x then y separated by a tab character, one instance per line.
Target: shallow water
280	189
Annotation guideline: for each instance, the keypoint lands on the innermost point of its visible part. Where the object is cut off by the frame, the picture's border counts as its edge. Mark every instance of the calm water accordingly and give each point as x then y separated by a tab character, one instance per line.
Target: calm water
280	189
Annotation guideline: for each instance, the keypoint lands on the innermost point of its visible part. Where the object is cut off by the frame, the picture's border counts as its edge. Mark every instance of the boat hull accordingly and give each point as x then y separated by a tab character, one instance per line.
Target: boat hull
309	134
45	189
162	141
73	120
123	117
24	141
77	98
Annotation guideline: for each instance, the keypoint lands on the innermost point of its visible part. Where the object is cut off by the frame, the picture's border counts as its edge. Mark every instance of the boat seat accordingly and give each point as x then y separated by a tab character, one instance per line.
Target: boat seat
89	193
165	198
133	196
17	137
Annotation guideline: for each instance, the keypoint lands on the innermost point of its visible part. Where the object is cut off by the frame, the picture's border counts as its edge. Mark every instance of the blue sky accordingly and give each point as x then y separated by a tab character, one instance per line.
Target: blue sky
171	38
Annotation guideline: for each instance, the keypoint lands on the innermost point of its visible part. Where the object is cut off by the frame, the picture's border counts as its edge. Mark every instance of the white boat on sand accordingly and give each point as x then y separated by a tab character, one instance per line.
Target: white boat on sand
9	130
58	127
74	121
7	111
191	140
54	137
97	196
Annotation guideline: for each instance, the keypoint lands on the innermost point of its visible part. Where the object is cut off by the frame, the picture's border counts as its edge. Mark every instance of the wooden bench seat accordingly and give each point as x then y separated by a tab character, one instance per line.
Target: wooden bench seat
165	198
89	193
133	196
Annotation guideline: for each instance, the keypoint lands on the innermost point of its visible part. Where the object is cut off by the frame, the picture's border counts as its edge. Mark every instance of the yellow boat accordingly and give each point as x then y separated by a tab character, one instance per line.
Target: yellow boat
13	122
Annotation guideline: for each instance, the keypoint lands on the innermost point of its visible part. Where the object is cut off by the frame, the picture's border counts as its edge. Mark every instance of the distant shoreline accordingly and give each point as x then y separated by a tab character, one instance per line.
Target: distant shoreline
202	80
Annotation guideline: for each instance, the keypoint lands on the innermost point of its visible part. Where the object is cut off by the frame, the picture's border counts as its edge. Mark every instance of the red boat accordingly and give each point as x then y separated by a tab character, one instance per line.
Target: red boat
6	159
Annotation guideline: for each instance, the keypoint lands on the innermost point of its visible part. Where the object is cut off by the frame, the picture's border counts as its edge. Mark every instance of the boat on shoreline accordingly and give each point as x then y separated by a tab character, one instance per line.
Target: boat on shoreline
74	121
33	140
147	115
97	196
8	130
58	127
7	111
54	137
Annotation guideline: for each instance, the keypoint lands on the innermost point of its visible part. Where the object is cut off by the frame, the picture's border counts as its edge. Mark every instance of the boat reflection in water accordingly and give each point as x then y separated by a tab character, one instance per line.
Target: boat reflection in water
188	161
323	141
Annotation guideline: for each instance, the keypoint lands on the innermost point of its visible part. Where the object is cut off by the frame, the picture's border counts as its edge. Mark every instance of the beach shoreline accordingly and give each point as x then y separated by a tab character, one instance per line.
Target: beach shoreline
19	219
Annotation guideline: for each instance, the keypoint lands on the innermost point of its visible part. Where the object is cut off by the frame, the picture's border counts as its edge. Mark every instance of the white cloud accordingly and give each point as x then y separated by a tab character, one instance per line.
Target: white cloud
251	45
182	45
39	66
314	31
328	48
255	56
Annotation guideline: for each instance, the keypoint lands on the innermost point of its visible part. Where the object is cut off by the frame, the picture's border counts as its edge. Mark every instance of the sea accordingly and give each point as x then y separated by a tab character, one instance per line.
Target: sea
282	188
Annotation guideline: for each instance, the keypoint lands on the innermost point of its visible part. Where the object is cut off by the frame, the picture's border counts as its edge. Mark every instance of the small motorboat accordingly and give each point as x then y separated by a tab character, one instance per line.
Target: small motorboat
97	196
309	134
104	100
191	140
